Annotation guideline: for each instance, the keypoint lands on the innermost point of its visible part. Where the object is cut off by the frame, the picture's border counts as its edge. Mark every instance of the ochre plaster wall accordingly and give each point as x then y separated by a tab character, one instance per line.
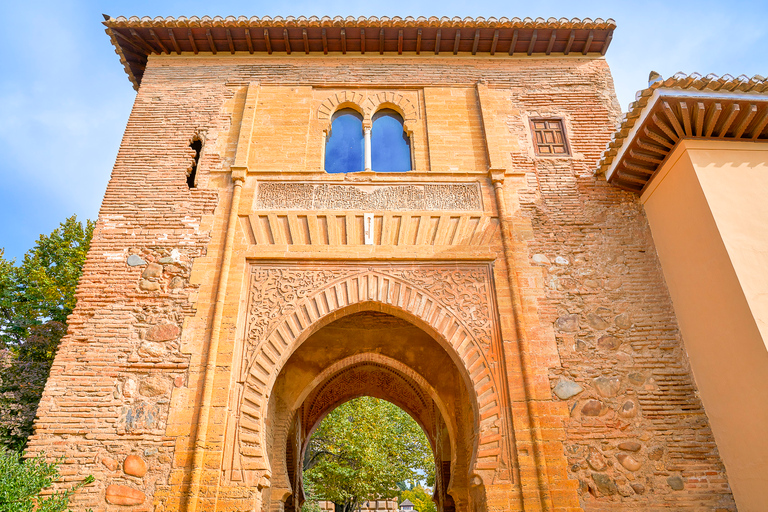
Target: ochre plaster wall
576	289
708	215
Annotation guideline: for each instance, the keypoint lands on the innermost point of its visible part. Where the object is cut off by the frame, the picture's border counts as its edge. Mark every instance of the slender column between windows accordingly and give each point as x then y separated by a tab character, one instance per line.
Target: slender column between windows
367	137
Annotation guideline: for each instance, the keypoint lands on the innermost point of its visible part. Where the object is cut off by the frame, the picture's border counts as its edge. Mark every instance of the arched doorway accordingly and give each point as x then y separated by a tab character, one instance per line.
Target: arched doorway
458	364
370	353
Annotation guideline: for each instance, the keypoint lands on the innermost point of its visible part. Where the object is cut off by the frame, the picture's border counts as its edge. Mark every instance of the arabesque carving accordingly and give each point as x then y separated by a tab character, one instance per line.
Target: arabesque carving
314	196
289	302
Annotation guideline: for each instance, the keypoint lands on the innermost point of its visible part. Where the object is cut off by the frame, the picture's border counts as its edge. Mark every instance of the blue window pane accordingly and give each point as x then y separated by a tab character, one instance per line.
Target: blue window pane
344	149
390	147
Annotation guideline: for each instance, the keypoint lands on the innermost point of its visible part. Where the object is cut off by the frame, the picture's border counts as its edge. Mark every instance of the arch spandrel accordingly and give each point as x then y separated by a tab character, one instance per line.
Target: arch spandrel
287	303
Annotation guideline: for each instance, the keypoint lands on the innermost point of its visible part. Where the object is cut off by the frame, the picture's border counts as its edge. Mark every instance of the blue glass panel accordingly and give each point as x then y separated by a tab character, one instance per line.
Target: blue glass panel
390	147
344	149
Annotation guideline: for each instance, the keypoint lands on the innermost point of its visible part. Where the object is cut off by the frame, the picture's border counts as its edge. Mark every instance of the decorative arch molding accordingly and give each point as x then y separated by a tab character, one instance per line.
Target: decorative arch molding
287	303
365	374
368	104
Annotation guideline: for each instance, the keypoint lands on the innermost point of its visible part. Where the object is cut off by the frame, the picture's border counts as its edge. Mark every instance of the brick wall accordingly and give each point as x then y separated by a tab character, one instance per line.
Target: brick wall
127	378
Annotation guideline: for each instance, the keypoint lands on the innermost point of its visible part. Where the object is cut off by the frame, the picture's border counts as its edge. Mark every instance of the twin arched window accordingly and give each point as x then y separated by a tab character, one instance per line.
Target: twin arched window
384	147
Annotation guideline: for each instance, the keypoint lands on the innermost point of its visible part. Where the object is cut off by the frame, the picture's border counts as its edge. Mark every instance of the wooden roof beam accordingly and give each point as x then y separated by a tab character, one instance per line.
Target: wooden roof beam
210	40
657	138
686	113
325	42
229	42
589	42
742	126
762	121
639	168
418	42
192	41
476	42
699	113
159	42
653	148
248	40
552	38
711	119
286	41
381	42
645	157
362	40
606	43
344	41
665	128
267	41
673	119
732	113
145	45
533	41
130	43
568	45
174	42
456	40
629	178
400	42
437	41
495	41
514	42
306	40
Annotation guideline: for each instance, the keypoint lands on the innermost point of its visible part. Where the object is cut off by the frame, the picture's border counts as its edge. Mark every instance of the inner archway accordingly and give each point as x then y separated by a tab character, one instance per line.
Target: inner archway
371	353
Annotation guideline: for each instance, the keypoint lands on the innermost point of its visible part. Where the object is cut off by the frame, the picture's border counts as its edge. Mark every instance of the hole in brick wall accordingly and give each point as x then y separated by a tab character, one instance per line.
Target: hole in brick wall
197	146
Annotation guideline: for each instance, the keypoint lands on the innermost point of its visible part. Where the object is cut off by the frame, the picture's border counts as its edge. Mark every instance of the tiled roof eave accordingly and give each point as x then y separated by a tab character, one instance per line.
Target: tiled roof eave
136	38
750	93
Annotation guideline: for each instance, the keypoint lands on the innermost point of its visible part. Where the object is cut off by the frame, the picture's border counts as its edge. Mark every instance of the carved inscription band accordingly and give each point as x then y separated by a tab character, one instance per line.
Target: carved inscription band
315	196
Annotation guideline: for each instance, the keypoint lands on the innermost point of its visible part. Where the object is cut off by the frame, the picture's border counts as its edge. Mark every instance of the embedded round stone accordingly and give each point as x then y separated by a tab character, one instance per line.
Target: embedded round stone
607	386
630	446
153	386
638	488
540	259
135	466
568	323
604	484
608	342
152	270
628	461
596	322
565	389
149	349
110	463
149	286
636	378
561	261
134	260
676	483
176	283
124	495
162	332
592	408
596	460
623	321
628	409
656	452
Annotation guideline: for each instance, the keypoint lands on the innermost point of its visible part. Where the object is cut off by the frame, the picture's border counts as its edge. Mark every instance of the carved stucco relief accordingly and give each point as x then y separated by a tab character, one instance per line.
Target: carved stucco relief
286	302
322	196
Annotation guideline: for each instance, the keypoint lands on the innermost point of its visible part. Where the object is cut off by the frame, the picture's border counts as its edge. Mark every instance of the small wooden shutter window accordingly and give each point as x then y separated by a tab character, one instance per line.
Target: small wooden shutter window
549	137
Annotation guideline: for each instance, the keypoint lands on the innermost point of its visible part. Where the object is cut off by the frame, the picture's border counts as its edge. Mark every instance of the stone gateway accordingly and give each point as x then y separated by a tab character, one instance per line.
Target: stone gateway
500	291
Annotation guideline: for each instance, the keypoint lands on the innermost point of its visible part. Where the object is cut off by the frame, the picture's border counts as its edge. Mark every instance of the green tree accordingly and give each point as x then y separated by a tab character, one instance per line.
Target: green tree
35	299
22	480
362	450
421	499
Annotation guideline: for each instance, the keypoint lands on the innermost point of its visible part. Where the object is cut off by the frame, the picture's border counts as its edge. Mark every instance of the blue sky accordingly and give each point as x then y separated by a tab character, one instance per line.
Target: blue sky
63	107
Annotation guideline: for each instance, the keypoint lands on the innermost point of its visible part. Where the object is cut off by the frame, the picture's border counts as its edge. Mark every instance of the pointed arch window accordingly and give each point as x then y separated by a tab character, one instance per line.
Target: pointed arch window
345	149
390	144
